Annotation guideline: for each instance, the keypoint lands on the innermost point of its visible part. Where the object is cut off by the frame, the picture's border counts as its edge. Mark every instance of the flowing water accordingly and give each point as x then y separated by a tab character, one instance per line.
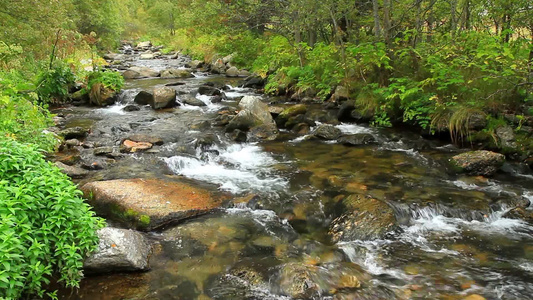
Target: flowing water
453	242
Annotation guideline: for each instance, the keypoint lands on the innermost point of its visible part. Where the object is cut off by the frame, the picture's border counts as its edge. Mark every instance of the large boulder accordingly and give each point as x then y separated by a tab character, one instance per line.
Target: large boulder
131	74
195	64
232	72
164	97
100	95
482	162
144	98
119	250
341	94
145	72
176	73
209	90
327	132
289	112
364	219
147	204
254	113
254	81
218	66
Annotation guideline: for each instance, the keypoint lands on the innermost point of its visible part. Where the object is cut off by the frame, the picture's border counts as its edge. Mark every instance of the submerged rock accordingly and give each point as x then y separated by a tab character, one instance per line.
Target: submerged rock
299	280
481	162
119	250
147	204
364	219
327	132
357	139
520	213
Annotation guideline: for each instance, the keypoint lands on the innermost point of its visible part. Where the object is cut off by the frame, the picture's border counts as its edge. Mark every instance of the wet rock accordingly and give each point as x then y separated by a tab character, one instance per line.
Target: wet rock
275	110
345	111
244	120
222	120
144	98
131	146
360	116
251	276
74	133
191	100
80	96
298	280
195	64
327	132
482	162
258	109
68	158
477	121
254	81
218	66
203	125
292	111
131	107
100	95
148	204
262	132
341	94
301	129
520	213
205	142
232	72
364	219
244	73
102	151
72	171
145	72
147	56
254	113
506	137
209	90
357	139
238	136
118	250
164	97
130	74
72	143
176	73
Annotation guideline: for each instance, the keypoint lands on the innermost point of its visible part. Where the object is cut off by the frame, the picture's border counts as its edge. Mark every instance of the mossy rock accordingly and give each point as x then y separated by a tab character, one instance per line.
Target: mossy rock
475	163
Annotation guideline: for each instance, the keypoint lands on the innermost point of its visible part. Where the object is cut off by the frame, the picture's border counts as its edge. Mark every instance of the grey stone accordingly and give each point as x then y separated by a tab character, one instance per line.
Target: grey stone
119	250
327	132
72	171
481	162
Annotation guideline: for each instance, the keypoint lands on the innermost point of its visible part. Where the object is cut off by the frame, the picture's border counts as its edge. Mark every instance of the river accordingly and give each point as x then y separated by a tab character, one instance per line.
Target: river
453	239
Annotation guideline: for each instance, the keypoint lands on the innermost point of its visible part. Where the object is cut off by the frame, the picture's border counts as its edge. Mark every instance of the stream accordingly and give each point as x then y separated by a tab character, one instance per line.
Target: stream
453	239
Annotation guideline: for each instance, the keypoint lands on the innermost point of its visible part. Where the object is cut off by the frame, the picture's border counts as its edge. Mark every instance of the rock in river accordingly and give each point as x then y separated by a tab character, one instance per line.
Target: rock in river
481	162
176	73
147	204
254	113
327	132
364	219
118	250
164	97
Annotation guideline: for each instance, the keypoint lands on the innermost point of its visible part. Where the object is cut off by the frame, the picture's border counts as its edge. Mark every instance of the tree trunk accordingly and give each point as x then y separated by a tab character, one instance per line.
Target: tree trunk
377	28
387	22
453	18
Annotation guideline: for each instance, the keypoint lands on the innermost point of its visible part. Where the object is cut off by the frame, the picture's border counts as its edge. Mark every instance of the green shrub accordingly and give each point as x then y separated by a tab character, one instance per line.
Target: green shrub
53	84
46	229
110	79
20	118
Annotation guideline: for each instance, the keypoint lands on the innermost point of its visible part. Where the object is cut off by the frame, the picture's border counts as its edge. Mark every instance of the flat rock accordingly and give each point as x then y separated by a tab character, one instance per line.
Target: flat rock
119	250
475	163
131	146
364	219
147	204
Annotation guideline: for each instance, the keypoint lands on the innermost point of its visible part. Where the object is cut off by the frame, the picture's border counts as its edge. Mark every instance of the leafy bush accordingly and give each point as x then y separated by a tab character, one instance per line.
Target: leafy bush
109	79
20	118
46	228
53	84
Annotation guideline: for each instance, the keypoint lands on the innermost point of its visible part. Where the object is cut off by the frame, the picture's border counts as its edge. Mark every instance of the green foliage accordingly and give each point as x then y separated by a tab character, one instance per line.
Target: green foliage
46	228
110	79
53	84
20	118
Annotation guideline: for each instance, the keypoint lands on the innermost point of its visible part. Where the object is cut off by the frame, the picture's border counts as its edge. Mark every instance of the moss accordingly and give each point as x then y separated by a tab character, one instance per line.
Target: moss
145	220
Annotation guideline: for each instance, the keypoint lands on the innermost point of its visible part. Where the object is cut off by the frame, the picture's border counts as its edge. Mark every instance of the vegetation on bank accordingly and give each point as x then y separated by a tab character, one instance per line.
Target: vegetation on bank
446	67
